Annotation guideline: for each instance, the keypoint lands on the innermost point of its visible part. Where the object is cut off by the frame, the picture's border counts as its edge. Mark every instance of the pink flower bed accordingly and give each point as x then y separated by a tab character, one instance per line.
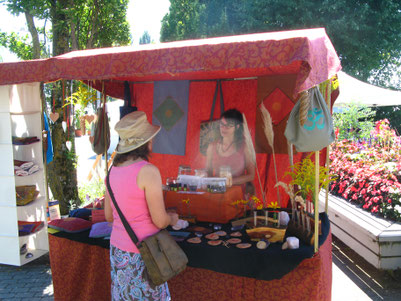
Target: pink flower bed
368	173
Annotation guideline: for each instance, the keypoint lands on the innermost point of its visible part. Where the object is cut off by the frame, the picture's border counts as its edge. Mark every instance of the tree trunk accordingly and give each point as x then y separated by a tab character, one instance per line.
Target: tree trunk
94	23
34	35
74	41
62	175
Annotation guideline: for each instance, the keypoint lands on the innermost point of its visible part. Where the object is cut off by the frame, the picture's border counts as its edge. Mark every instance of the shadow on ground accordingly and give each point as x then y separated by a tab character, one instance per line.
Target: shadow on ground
32	281
376	284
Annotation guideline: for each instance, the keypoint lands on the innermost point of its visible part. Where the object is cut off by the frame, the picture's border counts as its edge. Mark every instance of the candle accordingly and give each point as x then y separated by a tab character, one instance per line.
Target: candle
254	218
266	217
278	219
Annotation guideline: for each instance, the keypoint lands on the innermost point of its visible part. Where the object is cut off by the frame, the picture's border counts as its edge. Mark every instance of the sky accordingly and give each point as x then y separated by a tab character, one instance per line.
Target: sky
143	15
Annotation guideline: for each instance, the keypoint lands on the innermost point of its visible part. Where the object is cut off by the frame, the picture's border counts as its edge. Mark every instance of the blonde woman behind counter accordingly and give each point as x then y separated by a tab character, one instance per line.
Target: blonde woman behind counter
230	150
137	187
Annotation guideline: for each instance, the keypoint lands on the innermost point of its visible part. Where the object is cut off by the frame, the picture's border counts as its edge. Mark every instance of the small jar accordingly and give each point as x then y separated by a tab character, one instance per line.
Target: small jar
202	173
184	170
225	172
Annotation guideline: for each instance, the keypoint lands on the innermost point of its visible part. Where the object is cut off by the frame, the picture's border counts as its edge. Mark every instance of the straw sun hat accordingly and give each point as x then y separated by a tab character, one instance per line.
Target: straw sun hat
134	131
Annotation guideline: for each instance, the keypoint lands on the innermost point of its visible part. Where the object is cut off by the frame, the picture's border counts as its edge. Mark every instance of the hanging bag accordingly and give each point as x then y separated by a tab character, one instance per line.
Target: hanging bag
209	130
317	131
101	130
163	258
127	108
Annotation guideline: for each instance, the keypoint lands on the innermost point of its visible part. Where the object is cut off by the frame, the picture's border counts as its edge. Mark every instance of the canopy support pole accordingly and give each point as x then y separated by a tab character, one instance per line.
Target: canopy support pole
316	240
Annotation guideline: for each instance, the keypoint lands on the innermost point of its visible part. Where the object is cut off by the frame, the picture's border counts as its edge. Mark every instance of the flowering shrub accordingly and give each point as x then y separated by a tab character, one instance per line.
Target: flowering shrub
369	171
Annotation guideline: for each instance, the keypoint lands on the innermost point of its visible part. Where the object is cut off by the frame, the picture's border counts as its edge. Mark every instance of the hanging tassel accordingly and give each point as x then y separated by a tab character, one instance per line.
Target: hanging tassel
304	106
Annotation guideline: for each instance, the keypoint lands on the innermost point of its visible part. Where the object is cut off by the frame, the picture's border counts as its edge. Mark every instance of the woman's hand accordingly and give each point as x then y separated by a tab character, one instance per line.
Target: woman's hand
173	217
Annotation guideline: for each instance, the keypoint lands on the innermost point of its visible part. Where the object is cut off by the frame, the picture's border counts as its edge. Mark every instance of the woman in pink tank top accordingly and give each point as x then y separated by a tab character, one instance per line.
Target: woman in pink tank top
230	151
137	189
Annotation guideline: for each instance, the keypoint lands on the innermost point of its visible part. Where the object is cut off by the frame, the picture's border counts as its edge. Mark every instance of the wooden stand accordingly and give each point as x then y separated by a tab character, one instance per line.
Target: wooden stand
296	229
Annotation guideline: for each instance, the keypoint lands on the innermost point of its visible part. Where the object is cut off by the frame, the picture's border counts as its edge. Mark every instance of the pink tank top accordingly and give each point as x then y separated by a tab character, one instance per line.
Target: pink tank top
236	161
131	200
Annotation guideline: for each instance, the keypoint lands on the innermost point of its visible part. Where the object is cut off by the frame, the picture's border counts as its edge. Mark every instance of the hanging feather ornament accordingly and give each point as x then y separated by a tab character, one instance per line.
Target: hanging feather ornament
269	133
68	144
251	150
64	125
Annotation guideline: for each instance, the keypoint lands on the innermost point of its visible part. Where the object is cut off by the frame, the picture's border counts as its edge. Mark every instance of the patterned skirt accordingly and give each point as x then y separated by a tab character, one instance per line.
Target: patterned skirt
128	280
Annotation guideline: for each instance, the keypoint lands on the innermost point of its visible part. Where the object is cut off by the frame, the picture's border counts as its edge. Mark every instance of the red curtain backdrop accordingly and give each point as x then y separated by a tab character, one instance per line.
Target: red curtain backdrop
240	94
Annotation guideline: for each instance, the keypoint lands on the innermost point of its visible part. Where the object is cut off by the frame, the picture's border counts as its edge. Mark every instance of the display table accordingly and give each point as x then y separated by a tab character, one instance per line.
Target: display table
207	207
80	269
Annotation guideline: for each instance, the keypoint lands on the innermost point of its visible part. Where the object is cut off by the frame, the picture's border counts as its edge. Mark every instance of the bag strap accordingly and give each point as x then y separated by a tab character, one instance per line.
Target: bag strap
221	99
127	94
218	84
127	227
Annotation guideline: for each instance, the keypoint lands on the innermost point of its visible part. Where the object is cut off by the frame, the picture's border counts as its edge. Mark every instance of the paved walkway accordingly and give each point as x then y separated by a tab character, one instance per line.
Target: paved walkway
32	281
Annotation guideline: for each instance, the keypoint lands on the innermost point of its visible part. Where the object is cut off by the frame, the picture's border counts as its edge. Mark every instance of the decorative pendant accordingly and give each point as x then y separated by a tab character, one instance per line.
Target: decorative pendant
54	116
68	144
64	125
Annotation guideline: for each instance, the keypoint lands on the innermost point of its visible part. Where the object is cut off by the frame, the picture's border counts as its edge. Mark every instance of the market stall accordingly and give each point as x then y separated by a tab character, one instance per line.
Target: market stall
79	270
269	68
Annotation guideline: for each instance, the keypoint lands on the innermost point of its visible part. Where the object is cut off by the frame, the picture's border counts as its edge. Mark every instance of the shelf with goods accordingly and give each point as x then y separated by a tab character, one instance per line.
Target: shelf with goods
21	116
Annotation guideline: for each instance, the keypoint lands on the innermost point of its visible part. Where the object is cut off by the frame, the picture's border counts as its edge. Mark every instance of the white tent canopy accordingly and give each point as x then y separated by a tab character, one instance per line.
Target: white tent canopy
354	90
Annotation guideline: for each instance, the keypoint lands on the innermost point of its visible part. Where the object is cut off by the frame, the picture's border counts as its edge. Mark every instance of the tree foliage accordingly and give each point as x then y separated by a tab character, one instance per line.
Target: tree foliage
145	38
392	114
355	122
75	24
365	33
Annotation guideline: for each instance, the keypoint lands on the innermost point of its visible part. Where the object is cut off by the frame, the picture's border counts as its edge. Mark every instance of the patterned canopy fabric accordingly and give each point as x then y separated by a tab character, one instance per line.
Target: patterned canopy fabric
308	53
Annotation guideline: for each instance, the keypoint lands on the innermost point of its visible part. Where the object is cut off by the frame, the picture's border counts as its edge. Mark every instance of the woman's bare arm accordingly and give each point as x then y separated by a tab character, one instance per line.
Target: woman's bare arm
149	180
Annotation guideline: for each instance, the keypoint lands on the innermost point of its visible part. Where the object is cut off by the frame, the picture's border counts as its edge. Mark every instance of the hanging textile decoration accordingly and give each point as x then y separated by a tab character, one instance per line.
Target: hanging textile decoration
101	131
170	111
49	145
315	130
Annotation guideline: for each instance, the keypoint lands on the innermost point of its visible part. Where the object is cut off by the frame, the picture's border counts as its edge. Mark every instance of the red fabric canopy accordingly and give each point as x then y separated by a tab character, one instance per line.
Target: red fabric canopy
307	53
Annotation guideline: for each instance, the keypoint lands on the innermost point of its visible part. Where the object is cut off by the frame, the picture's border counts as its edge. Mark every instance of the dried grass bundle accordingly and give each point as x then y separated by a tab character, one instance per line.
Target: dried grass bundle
289	189
267	125
269	133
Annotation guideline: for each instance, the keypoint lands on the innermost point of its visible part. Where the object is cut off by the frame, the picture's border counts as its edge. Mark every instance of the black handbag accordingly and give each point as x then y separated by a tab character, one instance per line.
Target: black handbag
163	258
101	135
210	130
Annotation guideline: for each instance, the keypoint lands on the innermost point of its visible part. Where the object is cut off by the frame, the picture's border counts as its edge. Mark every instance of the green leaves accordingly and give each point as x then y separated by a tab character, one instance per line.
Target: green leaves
303	176
355	122
365	33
